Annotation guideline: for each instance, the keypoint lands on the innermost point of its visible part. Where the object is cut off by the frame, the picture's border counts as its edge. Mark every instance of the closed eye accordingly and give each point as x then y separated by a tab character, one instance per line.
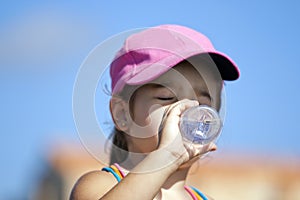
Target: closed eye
166	98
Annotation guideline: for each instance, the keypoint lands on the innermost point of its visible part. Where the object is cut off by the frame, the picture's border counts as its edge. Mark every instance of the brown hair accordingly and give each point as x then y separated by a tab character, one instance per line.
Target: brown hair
119	148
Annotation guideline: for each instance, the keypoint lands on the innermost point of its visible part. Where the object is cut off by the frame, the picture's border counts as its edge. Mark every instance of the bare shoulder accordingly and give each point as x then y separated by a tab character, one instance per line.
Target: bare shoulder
93	185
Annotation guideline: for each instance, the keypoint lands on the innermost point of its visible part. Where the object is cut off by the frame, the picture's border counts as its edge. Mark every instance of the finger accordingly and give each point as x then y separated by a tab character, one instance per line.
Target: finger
201	150
170	122
175	111
212	147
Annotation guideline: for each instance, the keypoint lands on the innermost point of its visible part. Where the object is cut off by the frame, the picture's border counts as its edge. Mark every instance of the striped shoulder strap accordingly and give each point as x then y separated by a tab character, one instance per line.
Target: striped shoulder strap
195	193
115	170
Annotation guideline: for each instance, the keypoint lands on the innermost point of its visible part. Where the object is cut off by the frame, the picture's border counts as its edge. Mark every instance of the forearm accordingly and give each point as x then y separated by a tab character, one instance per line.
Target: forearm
143	183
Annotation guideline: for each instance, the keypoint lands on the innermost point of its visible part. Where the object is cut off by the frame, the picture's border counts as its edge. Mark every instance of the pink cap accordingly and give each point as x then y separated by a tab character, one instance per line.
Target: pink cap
148	54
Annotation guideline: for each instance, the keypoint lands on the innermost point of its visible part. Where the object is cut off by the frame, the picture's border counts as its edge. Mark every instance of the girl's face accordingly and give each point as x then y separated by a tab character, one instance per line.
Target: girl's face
151	100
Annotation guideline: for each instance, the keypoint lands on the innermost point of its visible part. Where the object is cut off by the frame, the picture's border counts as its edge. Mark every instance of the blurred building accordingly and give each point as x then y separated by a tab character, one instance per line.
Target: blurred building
222	177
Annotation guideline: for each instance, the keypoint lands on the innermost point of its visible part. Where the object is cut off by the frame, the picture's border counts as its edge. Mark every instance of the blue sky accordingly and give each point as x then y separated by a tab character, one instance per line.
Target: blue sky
43	44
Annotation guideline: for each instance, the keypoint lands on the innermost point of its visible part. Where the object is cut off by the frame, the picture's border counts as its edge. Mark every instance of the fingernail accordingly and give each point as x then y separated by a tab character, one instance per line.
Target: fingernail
212	147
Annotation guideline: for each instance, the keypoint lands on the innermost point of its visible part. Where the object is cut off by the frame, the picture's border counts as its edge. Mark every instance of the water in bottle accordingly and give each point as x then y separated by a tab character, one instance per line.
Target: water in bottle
200	125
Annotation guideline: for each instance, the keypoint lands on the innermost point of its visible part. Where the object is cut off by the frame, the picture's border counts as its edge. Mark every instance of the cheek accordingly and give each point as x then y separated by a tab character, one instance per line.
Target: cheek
141	114
147	120
205	101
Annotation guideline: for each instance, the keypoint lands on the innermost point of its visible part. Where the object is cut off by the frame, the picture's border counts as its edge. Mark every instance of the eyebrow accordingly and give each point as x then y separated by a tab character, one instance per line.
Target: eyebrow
157	85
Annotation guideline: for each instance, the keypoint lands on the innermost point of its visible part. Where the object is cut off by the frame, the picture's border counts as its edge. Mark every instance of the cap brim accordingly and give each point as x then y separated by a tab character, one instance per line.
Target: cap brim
227	68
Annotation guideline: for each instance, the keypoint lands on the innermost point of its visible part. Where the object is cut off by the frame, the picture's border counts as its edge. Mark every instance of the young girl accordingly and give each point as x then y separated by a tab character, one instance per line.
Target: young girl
158	74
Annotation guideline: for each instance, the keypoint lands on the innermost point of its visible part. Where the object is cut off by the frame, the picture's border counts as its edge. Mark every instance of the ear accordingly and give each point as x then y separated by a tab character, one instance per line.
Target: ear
120	113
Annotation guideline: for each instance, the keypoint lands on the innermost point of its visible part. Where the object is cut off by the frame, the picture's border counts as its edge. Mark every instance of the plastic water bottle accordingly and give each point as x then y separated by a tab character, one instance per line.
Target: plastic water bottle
200	125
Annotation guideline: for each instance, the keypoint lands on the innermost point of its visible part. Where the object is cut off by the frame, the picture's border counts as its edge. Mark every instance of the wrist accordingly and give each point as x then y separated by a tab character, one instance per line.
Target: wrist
159	160
167	158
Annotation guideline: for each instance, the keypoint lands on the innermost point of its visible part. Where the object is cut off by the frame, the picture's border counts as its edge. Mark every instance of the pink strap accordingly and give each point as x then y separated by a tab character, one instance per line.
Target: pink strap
120	169
190	192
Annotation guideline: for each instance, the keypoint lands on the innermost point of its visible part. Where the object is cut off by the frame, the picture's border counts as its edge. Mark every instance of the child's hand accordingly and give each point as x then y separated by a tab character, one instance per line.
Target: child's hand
170	136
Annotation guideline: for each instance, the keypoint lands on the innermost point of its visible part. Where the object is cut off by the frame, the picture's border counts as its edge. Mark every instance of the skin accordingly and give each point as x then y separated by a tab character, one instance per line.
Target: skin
166	159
